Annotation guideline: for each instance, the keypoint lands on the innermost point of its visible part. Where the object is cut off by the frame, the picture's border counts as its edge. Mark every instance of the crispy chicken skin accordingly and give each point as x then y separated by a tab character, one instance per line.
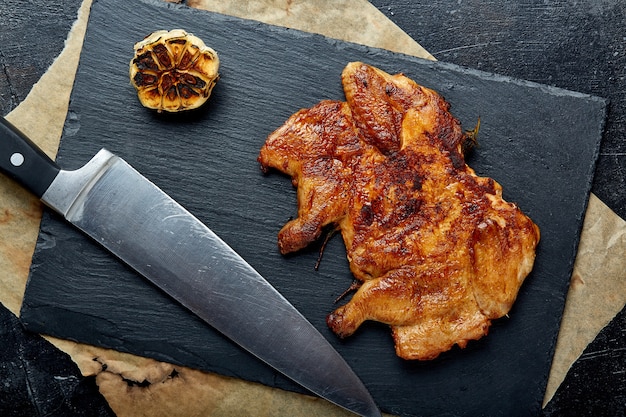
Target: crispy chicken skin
437	251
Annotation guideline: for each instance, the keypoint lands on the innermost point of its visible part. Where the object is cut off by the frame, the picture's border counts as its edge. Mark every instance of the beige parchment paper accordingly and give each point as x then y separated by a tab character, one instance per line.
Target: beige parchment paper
136	386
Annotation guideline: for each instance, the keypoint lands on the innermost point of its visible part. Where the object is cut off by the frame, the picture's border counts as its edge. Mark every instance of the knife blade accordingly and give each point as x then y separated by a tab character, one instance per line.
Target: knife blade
131	217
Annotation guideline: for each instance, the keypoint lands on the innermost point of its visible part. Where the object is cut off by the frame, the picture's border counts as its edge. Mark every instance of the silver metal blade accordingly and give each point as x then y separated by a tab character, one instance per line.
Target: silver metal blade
127	214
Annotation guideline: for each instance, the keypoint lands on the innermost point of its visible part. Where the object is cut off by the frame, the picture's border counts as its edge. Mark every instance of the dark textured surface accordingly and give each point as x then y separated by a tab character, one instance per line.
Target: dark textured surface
595	385
554	42
26	52
206	160
38	380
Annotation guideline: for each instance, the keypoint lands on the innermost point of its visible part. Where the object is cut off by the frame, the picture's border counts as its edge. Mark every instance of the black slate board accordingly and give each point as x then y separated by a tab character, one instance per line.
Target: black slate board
540	143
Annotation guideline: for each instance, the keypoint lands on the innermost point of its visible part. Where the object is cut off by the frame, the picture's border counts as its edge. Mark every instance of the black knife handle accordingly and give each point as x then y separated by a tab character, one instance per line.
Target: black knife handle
23	161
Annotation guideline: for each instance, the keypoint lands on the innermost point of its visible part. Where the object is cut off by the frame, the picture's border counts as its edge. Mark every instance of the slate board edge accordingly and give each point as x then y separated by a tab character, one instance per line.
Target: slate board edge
576	244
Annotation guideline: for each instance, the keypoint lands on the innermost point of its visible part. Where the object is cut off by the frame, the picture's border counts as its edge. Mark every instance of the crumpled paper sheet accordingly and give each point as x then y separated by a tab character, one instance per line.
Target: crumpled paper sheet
354	21
597	289
136	386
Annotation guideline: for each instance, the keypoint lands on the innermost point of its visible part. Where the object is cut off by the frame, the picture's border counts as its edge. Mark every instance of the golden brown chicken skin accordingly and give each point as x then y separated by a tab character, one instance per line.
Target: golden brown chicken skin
437	251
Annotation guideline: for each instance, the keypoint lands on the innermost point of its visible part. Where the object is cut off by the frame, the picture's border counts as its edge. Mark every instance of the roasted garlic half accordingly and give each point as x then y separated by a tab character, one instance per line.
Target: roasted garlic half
173	71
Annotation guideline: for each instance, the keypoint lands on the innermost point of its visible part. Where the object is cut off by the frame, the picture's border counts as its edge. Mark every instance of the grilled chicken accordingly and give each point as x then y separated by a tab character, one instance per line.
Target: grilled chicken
437	251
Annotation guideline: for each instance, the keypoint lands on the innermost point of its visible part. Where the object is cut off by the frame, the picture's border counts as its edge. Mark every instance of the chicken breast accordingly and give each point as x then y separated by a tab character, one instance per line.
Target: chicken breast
437	251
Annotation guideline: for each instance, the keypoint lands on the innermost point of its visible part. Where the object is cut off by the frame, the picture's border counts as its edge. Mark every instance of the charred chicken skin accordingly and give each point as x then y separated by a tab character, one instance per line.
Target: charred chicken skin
437	251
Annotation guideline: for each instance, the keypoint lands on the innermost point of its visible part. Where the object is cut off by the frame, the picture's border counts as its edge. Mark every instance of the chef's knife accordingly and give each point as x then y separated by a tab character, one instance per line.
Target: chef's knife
127	214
